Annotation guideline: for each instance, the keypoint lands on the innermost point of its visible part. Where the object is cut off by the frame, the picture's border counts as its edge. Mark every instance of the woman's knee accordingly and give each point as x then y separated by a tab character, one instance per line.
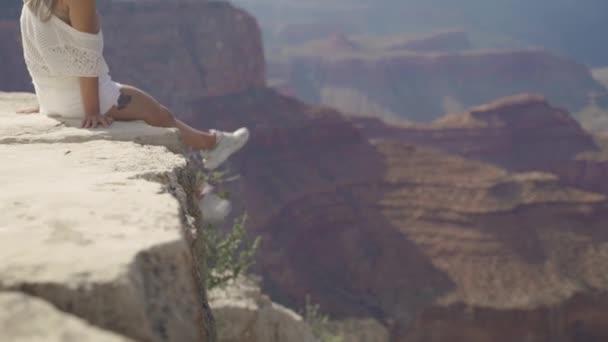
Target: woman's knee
162	117
167	115
138	105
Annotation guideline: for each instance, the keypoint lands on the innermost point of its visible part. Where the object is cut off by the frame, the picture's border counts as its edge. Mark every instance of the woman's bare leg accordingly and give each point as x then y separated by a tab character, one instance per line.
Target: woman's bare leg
135	104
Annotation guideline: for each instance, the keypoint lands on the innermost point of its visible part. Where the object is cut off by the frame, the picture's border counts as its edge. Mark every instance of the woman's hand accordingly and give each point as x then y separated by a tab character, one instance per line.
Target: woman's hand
29	111
83	17
94	120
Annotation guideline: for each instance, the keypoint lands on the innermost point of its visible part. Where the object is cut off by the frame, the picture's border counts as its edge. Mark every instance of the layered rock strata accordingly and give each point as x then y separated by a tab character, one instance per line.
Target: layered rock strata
418	238
94	224
424	79
243	313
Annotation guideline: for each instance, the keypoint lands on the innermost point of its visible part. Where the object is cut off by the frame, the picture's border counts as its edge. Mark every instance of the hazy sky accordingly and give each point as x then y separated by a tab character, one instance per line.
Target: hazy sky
572	27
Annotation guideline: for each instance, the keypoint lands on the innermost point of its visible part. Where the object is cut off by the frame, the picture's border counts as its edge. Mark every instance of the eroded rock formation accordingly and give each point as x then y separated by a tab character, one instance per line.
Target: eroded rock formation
523	132
520	133
199	48
510	23
26	318
243	313
409	231
97	246
89	226
417	79
418	238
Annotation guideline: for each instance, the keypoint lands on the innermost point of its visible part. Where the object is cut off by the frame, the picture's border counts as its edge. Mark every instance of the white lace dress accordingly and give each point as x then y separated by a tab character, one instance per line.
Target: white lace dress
56	55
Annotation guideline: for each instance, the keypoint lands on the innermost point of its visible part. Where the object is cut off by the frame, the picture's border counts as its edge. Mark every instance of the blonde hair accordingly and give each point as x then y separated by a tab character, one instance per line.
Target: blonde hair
43	8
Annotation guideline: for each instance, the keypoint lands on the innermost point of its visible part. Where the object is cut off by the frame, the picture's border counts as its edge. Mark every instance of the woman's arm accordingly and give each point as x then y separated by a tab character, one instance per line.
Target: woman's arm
83	17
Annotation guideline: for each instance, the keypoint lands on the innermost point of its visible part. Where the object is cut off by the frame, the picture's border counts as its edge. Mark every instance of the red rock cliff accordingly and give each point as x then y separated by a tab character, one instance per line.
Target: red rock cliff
522	132
434	245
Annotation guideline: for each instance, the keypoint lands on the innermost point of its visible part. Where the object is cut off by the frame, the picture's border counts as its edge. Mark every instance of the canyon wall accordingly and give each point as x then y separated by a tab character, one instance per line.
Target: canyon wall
243	313
420	79
574	29
432	242
101	245
468	226
520	133
523	132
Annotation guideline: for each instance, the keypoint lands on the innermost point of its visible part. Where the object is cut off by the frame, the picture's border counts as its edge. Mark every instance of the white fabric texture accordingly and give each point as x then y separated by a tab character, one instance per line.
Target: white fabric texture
56	56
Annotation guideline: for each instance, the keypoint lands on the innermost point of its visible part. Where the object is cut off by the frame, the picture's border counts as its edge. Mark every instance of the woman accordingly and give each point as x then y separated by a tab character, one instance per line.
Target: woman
63	45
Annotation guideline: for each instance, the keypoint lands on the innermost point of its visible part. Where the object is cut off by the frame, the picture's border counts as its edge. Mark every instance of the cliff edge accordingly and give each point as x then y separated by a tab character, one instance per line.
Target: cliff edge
92	237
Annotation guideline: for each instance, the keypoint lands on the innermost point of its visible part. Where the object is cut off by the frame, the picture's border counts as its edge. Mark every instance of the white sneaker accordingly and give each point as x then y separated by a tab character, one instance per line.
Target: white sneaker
227	144
213	208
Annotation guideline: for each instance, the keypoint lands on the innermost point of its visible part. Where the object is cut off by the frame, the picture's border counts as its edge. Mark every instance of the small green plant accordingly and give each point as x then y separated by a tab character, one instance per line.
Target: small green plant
319	323
228	253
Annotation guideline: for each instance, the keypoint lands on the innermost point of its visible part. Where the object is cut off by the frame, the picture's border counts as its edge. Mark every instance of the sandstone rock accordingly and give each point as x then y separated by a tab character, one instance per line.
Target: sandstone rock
587	171
496	24
89	225
28	319
434	246
522	132
199	48
422	86
36	128
244	314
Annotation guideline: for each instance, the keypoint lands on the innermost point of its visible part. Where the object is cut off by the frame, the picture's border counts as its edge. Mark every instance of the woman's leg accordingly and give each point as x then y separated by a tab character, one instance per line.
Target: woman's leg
135	104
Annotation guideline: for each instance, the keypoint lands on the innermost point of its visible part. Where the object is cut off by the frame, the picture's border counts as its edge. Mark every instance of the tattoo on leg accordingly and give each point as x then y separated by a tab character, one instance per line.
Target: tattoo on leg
123	100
